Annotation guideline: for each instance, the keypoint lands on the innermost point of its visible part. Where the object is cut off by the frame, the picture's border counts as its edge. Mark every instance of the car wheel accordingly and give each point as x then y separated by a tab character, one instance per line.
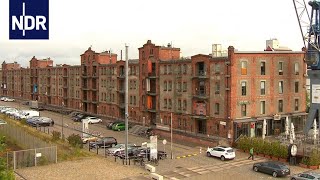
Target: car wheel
274	174
293	178
255	168
222	158
208	154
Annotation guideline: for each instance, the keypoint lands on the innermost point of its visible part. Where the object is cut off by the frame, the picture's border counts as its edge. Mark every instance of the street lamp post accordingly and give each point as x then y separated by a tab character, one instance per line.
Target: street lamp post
171	135
62	134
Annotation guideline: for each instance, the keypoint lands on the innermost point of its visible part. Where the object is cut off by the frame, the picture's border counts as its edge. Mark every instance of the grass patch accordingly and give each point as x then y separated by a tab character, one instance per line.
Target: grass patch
64	150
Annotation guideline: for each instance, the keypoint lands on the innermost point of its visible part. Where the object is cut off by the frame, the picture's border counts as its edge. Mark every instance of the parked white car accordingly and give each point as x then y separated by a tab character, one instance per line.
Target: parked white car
221	152
9	100
92	120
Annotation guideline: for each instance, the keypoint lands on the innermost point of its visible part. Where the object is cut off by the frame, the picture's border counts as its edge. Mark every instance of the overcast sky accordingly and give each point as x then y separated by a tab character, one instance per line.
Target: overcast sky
190	25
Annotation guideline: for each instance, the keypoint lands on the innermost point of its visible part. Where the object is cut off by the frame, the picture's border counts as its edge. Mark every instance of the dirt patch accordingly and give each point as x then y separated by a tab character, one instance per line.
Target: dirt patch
88	168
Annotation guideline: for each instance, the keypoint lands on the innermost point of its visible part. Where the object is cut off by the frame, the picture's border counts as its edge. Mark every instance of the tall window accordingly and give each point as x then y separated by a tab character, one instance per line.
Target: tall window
179	104
217	87
165	86
280	106
262	107
244	65
296	104
296	68
165	69
296	87
243	110
165	103
184	105
170	104
179	86
217	108
263	88
280	68
243	88
217	68
169	85
185	86
280	87
184	69
263	68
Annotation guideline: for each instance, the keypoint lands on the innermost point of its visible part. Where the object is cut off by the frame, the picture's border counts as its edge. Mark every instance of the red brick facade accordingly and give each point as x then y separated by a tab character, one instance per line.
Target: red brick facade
207	96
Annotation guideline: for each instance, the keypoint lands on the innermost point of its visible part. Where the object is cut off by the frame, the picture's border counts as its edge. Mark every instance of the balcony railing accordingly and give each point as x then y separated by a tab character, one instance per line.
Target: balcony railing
201	74
200	94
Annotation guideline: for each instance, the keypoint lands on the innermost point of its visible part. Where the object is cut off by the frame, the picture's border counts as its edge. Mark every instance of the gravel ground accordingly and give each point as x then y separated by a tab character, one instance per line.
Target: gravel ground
89	168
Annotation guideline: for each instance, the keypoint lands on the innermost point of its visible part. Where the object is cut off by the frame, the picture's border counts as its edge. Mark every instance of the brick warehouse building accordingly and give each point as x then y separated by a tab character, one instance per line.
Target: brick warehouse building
207	96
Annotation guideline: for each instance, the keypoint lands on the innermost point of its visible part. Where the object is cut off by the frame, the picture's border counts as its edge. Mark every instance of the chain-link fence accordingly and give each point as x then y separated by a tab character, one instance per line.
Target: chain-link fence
31	157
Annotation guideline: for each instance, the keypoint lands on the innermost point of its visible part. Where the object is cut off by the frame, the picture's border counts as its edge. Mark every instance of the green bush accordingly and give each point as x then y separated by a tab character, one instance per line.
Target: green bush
75	140
264	147
244	143
267	148
275	149
43	160
283	152
305	161
23	121
56	135
314	159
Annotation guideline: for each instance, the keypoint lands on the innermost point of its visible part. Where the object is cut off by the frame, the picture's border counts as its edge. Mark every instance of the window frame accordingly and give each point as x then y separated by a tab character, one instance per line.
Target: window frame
244	67
243	88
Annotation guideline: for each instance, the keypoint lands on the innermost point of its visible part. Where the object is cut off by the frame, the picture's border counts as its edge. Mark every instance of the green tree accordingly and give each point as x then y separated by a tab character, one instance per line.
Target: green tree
4	172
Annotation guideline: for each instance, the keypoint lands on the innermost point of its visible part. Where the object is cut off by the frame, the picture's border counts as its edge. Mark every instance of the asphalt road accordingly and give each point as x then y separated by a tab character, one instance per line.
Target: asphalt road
195	166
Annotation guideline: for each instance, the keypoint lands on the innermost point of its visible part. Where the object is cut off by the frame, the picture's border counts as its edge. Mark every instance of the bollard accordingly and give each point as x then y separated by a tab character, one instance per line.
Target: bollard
200	149
97	149
123	161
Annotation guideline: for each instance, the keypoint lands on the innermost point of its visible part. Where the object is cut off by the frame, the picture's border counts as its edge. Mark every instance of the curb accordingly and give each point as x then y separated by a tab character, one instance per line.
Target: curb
189	155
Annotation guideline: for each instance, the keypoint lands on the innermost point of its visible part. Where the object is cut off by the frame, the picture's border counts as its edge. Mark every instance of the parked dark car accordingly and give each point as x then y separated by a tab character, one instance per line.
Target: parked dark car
305	176
274	168
30	121
103	142
145	152
40	121
79	117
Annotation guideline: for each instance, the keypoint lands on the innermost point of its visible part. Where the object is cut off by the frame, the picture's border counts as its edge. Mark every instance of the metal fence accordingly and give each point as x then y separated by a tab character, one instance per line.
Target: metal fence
19	136
31	157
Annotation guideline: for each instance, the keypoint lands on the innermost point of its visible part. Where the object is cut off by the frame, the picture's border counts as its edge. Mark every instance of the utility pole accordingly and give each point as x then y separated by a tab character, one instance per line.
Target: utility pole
126	103
62	134
171	135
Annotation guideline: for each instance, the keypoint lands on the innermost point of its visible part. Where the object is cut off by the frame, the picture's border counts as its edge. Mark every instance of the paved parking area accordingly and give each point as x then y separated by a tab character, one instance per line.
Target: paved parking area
196	166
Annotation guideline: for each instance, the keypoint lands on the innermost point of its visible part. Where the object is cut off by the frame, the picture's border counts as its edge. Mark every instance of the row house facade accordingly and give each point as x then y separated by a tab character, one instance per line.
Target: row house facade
217	96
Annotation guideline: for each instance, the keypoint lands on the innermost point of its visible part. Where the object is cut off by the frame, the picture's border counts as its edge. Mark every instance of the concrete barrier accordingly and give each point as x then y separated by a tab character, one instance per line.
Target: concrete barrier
156	176
150	168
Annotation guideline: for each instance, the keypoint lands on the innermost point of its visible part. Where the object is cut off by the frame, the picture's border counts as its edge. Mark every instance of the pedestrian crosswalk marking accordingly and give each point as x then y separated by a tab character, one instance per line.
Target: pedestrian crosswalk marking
192	171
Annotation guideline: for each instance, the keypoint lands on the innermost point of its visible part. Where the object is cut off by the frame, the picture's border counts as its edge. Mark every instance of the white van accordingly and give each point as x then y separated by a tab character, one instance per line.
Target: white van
29	114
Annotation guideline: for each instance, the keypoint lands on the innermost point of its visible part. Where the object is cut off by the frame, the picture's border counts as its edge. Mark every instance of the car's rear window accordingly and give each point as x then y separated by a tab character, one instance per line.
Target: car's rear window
230	150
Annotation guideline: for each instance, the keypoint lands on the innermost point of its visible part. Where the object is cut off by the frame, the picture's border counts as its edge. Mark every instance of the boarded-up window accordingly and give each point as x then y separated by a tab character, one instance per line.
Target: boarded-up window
244	65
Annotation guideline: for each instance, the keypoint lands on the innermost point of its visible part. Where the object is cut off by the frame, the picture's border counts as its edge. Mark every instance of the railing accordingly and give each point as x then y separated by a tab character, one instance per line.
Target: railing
202	73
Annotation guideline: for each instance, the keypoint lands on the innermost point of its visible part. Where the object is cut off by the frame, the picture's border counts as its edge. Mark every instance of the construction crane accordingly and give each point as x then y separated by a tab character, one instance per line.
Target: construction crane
310	30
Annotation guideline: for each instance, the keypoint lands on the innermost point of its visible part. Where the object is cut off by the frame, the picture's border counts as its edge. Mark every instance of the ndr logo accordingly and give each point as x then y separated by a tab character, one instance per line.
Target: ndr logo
29	19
